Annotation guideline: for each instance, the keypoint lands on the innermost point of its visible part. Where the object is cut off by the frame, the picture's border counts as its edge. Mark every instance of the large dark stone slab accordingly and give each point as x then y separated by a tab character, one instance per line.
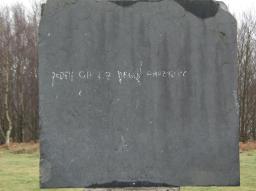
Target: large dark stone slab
141	93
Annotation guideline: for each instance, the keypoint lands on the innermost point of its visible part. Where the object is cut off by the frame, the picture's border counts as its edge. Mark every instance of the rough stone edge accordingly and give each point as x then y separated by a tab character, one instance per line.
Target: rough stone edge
223	6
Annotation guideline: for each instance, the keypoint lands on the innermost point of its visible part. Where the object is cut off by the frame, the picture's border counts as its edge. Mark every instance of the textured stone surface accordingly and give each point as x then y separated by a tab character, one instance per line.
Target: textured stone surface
137	94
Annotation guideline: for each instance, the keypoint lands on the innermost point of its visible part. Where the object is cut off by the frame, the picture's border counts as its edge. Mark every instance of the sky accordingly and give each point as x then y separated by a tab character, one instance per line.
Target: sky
236	7
11	2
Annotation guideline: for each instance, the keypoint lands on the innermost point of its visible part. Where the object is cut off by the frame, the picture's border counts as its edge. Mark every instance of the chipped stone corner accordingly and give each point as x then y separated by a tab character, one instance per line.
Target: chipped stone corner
223	5
202	9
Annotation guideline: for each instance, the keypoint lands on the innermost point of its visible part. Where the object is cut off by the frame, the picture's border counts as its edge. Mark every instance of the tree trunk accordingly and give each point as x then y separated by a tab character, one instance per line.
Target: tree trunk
6	104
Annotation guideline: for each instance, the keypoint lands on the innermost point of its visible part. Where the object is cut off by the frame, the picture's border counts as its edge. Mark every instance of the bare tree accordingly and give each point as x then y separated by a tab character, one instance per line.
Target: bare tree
18	74
247	77
5	42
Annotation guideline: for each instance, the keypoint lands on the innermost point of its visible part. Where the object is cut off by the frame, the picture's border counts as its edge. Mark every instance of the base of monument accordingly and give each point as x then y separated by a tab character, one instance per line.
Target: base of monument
134	189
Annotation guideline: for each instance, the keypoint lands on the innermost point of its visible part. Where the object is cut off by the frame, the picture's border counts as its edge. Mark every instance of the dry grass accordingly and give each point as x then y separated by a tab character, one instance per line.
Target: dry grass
248	146
21	148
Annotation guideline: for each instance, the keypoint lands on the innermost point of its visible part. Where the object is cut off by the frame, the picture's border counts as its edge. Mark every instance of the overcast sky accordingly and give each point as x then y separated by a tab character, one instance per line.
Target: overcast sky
236	7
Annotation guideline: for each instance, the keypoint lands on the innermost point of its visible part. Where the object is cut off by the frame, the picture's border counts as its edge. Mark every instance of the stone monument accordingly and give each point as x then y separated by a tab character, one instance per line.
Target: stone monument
138	94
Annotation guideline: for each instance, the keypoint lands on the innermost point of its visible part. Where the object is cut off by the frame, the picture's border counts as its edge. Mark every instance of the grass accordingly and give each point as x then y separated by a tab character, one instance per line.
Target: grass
19	171
248	175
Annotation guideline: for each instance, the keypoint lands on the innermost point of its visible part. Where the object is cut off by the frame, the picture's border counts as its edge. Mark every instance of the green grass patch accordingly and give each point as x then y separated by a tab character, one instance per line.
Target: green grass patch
20	172
248	175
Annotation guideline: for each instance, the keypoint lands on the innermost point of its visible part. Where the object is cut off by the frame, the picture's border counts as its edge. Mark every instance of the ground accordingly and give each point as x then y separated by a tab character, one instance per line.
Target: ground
19	169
